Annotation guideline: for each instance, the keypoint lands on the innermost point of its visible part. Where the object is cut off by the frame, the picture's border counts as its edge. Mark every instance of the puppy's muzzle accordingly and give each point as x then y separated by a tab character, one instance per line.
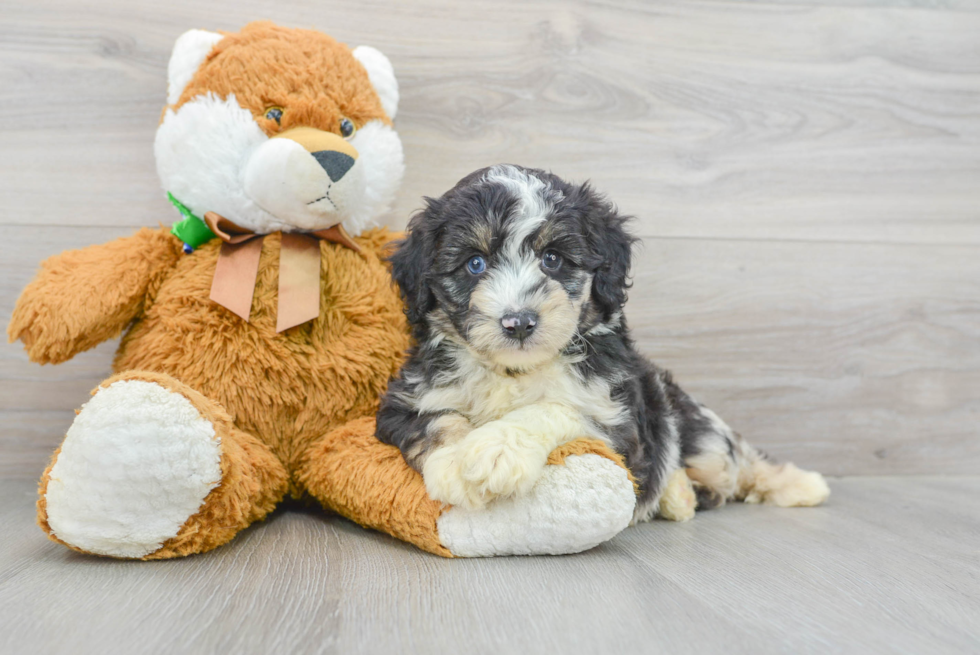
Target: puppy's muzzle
519	325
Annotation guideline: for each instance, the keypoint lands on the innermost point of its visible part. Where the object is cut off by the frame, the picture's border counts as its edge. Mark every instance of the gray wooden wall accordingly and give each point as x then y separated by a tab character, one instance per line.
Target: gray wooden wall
806	180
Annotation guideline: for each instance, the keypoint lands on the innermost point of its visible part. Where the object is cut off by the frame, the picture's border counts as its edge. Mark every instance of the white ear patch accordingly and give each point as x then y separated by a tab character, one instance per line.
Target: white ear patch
189	51
382	77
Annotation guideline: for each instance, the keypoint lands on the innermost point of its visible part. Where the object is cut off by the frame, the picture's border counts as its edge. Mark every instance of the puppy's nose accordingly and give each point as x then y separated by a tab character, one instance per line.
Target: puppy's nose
519	325
336	164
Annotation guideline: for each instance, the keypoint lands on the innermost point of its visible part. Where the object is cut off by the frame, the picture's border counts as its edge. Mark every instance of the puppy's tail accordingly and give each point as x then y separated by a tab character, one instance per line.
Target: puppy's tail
762	480
727	467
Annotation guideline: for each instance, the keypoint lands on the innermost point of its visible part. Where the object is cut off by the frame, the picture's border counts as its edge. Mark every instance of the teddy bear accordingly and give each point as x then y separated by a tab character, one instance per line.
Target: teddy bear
261	329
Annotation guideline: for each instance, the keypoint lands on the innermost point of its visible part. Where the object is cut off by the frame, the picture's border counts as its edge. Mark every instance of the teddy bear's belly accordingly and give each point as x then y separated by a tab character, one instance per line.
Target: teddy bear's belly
286	389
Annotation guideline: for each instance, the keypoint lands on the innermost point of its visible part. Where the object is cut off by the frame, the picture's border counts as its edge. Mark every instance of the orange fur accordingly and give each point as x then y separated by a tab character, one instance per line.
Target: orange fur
585	446
290	388
80	298
258	66
355	475
270	396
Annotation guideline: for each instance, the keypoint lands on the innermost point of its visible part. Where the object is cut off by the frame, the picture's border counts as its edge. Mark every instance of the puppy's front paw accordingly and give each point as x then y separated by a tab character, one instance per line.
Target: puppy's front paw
498	459
444	480
494	460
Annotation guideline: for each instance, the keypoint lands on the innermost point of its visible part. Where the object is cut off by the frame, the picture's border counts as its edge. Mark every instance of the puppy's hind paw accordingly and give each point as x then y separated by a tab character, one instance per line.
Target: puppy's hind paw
678	501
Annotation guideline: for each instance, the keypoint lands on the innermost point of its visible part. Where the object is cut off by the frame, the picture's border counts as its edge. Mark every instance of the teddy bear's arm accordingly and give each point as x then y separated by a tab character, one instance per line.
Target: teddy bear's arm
80	298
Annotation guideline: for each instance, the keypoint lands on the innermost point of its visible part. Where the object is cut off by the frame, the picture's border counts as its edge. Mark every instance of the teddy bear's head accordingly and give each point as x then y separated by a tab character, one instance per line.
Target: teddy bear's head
280	129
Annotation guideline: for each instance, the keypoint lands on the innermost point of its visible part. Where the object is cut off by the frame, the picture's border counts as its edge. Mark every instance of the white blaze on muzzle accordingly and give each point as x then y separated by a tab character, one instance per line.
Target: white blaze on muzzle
514	286
305	177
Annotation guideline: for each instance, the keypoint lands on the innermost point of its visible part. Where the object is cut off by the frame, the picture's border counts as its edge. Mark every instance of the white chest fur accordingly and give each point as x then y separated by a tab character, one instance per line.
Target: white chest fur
483	394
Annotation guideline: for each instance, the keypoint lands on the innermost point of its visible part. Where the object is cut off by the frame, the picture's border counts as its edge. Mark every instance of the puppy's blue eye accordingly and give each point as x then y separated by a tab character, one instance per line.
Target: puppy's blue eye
476	265
551	260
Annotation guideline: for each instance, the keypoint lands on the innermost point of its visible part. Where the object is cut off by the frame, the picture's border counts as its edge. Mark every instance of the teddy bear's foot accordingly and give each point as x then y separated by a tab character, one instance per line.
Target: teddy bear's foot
584	496
152	469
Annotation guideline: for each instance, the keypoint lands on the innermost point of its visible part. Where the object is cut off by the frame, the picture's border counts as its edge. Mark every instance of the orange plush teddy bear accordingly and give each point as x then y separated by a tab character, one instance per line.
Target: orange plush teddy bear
260	331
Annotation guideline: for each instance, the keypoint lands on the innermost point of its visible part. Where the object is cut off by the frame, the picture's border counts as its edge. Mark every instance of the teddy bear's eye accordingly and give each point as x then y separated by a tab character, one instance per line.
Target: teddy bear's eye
346	128
274	114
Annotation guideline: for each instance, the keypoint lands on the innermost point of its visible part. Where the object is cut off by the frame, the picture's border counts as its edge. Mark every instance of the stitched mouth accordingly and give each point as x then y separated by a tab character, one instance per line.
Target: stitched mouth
325	196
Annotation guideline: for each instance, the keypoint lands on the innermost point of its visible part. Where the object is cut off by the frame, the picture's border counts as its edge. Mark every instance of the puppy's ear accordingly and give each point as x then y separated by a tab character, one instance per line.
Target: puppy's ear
411	263
612	246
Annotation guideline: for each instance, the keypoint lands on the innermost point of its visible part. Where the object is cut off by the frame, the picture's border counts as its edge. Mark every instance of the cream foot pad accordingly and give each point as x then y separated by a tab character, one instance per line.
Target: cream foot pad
138	461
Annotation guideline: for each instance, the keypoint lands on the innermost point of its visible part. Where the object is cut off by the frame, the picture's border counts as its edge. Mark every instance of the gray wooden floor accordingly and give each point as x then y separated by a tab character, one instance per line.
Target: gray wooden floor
890	565
806	181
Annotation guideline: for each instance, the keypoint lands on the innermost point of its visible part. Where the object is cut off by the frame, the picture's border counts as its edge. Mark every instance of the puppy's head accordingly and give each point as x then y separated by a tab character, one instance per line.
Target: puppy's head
516	263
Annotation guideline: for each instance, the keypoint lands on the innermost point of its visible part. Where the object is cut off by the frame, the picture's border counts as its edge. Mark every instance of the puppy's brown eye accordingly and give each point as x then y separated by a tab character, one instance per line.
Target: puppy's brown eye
274	114
551	260
346	128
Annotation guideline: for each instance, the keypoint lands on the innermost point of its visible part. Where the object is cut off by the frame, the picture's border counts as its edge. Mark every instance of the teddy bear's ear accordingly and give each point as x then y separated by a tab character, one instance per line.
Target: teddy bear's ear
189	51
382	76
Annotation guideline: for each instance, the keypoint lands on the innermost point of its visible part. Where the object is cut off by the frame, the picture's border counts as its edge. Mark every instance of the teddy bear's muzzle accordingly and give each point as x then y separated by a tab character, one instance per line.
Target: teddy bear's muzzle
335	163
305	177
334	154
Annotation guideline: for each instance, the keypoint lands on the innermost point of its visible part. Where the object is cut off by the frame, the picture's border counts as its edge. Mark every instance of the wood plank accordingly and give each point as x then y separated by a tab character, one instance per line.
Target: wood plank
871	577
741	579
848	358
28	439
777	120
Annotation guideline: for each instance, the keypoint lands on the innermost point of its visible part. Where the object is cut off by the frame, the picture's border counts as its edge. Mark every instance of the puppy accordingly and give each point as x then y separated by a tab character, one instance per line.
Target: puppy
514	283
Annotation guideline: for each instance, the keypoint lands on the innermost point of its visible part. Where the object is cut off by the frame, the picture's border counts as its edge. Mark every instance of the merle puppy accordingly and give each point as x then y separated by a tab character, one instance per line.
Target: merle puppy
514	283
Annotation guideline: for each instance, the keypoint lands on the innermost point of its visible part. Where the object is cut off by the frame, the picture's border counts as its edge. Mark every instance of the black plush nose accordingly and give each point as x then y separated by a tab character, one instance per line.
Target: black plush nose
519	325
336	164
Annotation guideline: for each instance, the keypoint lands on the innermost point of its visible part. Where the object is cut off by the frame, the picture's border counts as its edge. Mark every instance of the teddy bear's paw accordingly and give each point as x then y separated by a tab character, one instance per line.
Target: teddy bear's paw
137	462
499	459
575	505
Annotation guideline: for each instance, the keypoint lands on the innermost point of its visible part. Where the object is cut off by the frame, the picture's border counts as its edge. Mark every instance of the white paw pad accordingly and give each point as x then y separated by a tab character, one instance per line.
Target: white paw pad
137	462
573	507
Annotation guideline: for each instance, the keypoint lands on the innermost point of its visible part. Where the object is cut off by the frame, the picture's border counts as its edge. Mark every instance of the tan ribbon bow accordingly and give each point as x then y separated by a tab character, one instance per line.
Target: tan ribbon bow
299	269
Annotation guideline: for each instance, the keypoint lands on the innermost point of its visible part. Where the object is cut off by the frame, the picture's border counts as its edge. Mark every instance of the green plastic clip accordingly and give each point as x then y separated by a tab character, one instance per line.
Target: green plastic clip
192	230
